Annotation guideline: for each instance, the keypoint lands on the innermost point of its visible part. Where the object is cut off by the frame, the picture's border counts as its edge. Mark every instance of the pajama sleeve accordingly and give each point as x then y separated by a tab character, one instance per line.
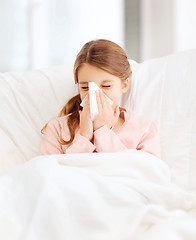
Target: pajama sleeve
106	140
150	141
50	144
81	145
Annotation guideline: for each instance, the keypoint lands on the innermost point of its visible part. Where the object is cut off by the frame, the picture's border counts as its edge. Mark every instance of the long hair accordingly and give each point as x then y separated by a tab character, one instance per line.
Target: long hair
105	55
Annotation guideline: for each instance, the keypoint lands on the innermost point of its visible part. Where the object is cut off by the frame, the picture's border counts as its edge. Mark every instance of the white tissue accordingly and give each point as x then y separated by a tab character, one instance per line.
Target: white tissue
92	88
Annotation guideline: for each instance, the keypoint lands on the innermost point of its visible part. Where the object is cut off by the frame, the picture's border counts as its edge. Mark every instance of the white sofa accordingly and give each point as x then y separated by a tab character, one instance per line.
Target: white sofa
162	89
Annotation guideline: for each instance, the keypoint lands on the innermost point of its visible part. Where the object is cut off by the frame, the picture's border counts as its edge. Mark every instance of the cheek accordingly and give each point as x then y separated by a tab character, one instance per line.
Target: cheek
113	95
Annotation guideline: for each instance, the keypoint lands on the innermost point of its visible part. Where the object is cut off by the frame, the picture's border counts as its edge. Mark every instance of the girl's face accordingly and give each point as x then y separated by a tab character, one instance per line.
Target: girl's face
111	85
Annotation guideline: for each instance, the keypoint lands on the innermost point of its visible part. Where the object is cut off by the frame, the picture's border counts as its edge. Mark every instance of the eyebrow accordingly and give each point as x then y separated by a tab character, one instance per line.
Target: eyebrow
104	81
83	82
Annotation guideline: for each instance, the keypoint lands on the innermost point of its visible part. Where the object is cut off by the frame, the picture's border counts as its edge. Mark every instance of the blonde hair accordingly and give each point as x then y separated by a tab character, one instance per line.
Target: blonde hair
103	54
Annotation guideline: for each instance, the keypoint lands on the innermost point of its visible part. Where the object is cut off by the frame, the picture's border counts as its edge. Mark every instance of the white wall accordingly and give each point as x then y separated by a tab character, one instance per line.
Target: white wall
157	28
40	33
14	37
73	23
167	27
185	21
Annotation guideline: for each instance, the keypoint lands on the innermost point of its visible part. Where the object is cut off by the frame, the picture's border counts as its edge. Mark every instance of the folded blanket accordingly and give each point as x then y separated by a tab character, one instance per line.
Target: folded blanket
95	196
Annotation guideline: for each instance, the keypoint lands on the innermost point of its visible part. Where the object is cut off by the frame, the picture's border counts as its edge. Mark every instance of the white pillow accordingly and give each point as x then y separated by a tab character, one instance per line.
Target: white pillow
29	99
164	90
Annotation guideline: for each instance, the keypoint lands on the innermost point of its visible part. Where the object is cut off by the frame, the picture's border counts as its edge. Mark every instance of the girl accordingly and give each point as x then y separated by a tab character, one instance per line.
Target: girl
113	128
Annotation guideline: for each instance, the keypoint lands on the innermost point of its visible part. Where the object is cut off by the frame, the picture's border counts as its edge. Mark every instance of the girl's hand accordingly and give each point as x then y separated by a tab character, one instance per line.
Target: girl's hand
106	116
86	125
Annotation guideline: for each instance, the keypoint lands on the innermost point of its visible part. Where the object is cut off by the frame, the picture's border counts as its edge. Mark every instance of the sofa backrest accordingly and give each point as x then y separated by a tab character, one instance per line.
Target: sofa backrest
161	89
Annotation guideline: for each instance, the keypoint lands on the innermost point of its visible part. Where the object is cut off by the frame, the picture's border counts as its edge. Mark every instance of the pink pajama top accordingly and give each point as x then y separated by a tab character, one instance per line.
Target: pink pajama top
135	133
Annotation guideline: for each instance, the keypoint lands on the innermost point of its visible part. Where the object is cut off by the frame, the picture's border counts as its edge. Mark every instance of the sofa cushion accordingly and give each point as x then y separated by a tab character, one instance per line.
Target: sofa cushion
164	90
29	99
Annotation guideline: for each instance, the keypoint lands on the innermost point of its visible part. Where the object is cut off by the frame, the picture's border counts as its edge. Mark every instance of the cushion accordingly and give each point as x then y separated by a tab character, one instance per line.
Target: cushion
164	90
29	99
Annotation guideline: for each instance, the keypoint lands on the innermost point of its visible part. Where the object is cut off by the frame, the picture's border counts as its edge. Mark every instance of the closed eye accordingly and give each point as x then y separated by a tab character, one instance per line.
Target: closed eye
105	86
85	88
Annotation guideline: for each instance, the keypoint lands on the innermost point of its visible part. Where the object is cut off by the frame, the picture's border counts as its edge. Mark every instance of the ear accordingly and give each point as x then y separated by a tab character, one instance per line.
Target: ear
125	85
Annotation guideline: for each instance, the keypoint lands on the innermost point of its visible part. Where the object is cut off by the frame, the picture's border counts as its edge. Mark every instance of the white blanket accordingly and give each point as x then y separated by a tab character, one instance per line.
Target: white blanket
100	196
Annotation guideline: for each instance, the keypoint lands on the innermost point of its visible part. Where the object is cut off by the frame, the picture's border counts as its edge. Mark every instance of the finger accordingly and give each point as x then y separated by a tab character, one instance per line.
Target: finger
87	104
104	101
99	104
116	112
